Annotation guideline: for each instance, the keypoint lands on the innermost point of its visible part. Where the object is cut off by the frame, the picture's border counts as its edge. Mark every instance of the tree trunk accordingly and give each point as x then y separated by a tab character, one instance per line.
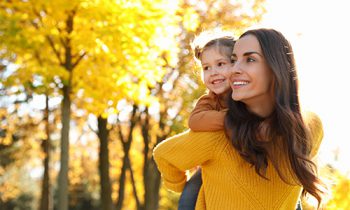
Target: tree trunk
106	191
152	186
46	201
122	177
126	142
64	159
151	175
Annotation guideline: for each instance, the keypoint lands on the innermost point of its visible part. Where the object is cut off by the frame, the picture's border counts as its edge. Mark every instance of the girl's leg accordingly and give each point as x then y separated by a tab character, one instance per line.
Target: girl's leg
189	194
299	207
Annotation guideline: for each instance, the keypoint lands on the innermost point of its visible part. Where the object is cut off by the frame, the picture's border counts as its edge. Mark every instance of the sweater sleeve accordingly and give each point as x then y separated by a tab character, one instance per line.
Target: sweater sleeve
205	116
184	151
315	127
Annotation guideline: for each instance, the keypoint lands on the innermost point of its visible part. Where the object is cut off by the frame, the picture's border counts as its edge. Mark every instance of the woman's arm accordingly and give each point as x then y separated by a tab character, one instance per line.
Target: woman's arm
179	153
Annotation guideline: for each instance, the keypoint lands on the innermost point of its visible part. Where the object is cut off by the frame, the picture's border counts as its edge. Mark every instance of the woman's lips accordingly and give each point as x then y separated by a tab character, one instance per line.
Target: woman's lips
239	83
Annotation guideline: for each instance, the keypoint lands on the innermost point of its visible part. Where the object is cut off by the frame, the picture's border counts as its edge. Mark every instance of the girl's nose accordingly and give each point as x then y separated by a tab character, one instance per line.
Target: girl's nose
215	70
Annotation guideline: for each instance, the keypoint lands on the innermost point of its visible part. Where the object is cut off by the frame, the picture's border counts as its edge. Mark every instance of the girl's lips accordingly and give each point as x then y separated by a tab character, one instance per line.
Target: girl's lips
217	81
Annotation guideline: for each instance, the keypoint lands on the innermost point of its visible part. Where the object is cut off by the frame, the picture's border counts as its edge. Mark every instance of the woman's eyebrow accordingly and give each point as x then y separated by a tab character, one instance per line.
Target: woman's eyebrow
251	52
248	53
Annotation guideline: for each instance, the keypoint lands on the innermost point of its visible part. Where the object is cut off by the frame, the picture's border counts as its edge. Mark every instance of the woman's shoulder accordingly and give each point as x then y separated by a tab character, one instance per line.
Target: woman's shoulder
216	140
205	136
311	117
314	125
313	122
193	143
208	134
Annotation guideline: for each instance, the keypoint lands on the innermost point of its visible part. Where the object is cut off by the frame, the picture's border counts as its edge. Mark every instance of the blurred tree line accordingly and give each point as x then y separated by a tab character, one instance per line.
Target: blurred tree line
88	88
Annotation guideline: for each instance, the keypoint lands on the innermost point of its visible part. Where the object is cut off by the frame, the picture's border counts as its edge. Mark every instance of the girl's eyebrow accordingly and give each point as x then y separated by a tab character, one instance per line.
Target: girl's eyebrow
222	59
219	59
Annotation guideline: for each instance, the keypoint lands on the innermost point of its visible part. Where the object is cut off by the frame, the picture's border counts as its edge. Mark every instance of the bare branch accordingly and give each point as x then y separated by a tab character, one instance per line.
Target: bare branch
79	59
93	130
49	39
120	133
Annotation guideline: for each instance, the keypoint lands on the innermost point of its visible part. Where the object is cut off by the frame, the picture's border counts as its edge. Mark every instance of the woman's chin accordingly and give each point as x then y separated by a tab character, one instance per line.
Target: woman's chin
236	97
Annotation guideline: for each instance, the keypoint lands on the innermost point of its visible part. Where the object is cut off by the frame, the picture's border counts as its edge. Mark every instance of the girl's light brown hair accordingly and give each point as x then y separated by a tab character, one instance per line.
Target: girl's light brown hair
223	41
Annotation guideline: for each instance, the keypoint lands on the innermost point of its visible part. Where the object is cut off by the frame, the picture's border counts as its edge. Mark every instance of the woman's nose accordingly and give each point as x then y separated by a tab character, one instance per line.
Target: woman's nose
236	68
232	69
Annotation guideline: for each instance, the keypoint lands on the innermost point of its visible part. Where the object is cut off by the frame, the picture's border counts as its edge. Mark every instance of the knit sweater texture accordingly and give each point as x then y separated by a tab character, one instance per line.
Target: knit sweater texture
229	182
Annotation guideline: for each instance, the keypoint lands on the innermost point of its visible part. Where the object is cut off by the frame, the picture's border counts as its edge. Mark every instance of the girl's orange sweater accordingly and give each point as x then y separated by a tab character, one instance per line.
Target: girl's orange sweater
229	182
209	113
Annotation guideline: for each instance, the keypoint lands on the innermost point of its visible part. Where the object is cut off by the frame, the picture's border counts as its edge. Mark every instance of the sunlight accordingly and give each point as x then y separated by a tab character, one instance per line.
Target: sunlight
316	30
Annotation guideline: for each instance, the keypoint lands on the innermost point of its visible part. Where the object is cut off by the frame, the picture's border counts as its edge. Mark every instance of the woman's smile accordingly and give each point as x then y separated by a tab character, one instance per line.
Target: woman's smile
238	84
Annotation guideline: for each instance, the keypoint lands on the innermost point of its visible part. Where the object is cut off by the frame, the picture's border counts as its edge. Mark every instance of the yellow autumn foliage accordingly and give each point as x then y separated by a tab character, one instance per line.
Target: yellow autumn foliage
113	45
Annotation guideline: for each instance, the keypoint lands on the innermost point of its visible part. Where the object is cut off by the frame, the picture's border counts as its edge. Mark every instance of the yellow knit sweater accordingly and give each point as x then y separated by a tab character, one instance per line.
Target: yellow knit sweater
229	182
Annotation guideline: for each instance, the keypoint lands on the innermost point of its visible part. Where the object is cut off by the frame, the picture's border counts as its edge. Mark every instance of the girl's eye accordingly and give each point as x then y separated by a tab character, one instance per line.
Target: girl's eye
221	63
205	68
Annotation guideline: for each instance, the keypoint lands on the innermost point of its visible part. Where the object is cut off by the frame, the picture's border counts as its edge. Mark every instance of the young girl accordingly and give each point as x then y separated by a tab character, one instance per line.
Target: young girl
264	159
212	50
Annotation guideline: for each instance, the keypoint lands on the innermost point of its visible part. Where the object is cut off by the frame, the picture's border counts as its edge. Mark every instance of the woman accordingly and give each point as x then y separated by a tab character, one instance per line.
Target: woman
263	159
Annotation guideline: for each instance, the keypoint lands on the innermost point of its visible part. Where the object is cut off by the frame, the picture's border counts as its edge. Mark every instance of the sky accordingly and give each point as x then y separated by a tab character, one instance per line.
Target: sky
320	36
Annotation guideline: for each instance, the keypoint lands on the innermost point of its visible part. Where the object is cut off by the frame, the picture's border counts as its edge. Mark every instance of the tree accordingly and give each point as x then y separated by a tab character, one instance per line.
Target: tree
103	43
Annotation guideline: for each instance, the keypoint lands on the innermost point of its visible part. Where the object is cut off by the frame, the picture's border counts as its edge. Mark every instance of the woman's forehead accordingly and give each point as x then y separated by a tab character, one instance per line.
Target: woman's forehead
246	44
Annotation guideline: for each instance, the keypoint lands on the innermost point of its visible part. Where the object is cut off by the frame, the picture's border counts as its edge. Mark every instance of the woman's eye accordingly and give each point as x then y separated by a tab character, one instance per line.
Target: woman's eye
250	60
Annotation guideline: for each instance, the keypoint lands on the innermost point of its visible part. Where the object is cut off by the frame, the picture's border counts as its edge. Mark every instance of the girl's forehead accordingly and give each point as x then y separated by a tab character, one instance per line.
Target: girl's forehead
221	51
224	50
212	53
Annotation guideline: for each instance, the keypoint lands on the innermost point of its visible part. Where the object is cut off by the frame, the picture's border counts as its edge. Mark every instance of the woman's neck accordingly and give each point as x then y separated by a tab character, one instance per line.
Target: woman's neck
262	108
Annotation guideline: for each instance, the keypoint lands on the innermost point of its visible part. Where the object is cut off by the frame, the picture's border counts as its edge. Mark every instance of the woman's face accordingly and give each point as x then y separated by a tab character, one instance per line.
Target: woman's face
250	78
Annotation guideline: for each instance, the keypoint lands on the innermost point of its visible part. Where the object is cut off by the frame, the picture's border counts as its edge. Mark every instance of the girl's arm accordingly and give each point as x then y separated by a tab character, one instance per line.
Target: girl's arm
205	116
184	151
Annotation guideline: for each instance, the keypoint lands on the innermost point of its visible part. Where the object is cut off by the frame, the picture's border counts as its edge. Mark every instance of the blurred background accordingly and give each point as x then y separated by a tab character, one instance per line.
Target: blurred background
89	87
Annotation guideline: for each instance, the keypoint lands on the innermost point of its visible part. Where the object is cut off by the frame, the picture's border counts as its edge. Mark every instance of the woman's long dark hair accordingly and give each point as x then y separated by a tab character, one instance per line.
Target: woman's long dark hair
284	127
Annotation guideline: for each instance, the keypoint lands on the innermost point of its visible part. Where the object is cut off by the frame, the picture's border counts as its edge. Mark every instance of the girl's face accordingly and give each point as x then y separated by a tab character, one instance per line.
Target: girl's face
214	65
250	78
